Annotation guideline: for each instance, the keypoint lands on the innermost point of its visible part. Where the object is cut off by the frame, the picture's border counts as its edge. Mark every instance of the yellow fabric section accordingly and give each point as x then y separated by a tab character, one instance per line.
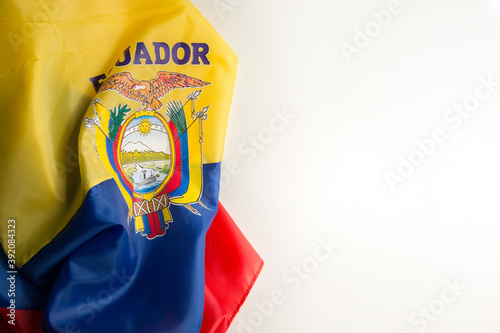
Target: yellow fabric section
166	216
51	48
92	145
139	224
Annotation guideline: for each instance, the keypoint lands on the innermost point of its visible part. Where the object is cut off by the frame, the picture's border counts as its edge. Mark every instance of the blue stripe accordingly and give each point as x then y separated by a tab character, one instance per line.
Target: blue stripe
147	229
162	220
97	275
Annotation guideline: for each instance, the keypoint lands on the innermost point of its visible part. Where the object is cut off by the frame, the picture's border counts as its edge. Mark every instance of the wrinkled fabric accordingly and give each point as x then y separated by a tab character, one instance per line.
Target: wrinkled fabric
116	118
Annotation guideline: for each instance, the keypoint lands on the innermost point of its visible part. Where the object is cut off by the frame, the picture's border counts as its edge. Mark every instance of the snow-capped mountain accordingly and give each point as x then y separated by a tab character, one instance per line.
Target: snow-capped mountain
136	146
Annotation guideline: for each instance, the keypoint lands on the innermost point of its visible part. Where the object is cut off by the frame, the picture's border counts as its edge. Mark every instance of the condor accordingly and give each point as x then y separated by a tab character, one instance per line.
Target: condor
180	54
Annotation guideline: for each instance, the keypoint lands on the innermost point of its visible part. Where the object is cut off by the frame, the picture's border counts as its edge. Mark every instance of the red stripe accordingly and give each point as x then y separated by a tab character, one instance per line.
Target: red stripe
152	226
176	179
116	151
26	321
156	222
231	264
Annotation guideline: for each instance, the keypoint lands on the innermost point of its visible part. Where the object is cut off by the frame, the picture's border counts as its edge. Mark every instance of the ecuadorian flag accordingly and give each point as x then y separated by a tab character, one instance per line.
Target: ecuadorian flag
114	116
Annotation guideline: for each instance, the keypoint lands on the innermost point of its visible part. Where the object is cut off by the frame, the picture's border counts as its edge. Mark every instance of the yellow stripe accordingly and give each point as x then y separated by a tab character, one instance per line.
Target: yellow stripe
41	186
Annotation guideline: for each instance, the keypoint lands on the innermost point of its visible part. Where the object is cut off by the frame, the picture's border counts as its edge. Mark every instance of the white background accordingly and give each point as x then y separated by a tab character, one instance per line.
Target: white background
324	173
